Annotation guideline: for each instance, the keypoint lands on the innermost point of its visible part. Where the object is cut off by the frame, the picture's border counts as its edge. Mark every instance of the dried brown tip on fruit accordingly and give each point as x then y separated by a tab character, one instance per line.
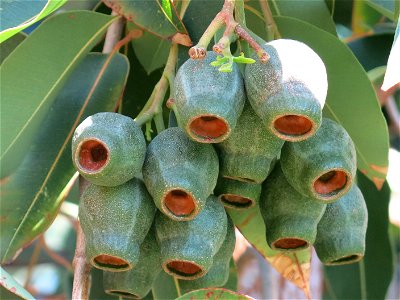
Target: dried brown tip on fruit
122	294
197	52
293	125
93	155
183	268
290	243
330	182
236	200
179	203
347	259
109	261
208	127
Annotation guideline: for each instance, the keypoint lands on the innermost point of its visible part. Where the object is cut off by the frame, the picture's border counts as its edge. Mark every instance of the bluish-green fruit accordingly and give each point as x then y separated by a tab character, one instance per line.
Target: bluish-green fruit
180	173
290	218
237	194
136	283
208	102
115	221
108	149
248	152
219	272
289	91
188	248
342	230
322	167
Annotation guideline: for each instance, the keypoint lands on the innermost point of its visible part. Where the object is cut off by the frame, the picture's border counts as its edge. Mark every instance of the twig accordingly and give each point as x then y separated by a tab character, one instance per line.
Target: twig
393	114
113	33
270	25
54	256
32	262
177	286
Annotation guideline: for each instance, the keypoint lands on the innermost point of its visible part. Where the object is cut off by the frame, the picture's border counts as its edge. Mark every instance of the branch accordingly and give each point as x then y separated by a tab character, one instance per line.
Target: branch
270	25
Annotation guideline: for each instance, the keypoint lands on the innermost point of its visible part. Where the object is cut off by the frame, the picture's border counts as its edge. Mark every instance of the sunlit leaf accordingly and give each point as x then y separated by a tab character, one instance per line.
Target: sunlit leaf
392	76
10	289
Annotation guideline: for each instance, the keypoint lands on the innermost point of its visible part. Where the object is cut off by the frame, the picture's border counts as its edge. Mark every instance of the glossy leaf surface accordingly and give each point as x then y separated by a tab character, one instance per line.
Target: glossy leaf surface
32	195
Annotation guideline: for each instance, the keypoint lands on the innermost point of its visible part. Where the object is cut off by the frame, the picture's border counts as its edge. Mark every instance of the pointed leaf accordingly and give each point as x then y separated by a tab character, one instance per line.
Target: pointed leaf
294	266
213	294
9	45
10	288
371	277
18	15
385	7
34	73
392	76
159	18
30	198
351	100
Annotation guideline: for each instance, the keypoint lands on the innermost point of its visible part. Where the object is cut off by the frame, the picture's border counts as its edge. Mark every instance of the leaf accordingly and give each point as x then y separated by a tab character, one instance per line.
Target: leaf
294	266
351	99
364	17
9	45
11	289
164	287
232	283
151	50
371	277
18	15
376	75
392	76
158	18
385	7
213	293
34	73
32	195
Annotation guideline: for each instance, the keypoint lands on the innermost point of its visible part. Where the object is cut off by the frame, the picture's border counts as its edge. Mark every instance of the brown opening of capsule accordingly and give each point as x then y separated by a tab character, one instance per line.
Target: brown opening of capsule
109	261
236	200
330	182
123	294
290	243
293	125
184	268
179	203
93	155
208	127
349	258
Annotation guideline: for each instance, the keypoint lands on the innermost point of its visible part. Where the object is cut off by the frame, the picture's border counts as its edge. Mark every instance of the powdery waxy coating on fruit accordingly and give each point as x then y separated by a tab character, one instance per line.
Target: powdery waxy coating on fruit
219	272
179	173
322	167
208	102
136	283
237	194
290	218
188	248
248	152
289	91
342	230
115	221
108	149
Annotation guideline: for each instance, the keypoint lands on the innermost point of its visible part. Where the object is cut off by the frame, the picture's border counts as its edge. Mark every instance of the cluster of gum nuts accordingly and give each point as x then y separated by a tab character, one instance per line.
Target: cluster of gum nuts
237	140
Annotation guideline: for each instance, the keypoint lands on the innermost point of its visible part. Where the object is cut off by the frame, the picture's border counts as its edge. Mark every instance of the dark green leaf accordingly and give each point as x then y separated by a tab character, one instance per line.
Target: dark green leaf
164	287
213	294
10	289
232	283
371	277
34	73
384	7
17	15
9	45
351	100
158	18
32	195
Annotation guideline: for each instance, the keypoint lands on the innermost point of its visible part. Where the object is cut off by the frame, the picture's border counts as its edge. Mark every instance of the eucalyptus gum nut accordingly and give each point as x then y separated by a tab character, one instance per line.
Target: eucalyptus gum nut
115	221
290	218
188	248
208	102
219	272
108	149
248	152
179	173
322	167
289	91
136	283
237	194
342	230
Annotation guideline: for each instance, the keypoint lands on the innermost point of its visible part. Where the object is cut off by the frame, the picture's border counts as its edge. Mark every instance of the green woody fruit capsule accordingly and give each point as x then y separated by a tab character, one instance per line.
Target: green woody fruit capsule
342	230
248	152
237	194
188	248
290	218
136	283
115	221
179	173
208	102
322	167
289	91
108	149
219	272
